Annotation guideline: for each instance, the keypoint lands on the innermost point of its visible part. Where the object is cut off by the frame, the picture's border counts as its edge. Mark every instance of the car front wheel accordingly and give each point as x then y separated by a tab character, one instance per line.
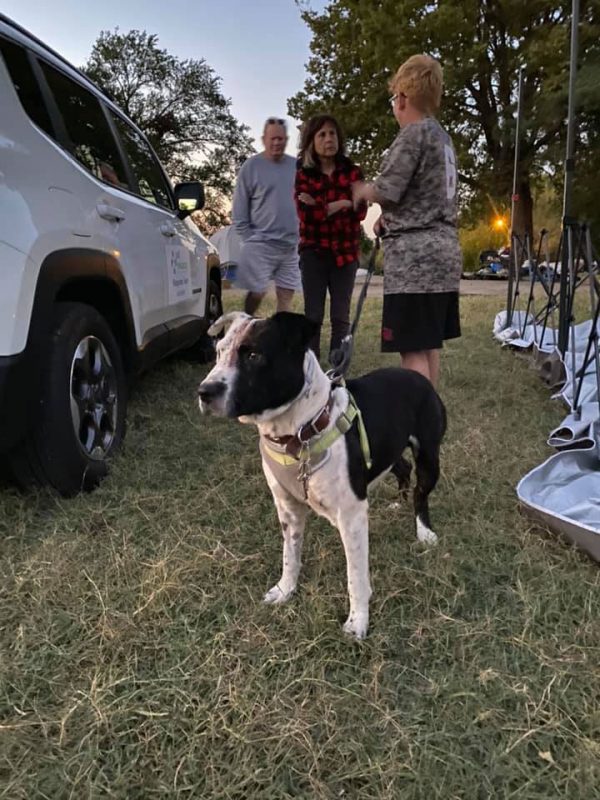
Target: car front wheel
79	421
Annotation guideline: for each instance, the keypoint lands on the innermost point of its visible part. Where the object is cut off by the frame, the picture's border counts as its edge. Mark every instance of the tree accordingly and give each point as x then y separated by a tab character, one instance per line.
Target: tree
586	187
178	104
357	46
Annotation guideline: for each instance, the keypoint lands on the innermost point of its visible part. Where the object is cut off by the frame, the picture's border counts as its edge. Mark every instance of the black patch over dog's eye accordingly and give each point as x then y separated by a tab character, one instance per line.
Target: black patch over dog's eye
251	355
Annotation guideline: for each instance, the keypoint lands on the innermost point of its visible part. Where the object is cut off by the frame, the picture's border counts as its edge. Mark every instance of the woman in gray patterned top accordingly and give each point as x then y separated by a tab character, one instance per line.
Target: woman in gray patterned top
417	193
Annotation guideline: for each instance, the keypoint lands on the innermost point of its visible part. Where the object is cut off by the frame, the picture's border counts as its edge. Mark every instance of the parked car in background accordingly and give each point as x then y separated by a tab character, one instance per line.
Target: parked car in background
102	271
491	265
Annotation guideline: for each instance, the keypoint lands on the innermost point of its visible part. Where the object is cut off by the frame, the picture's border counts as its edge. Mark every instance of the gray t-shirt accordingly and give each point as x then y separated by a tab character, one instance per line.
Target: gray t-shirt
263	202
417	185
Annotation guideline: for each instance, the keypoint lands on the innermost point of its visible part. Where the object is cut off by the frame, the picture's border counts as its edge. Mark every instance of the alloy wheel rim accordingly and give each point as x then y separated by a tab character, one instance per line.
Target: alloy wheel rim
93	396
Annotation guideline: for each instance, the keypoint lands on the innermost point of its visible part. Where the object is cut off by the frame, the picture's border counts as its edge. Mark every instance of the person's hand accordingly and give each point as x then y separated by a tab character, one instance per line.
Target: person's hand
338	205
306	199
357	189
378	226
359	193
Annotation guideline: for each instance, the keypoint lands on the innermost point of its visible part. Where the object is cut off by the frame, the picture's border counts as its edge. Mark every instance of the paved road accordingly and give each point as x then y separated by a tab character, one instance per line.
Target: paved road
489	288
485	287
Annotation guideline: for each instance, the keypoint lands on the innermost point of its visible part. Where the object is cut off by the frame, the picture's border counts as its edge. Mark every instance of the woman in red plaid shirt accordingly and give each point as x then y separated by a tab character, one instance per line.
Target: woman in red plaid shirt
329	225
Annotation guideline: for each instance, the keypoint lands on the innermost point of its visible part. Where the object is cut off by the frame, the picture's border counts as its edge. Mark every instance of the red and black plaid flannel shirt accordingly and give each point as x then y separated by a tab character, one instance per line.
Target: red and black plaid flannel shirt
340	232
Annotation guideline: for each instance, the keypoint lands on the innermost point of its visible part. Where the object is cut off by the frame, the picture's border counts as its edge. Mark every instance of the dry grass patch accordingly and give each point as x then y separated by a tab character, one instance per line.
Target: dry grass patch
136	659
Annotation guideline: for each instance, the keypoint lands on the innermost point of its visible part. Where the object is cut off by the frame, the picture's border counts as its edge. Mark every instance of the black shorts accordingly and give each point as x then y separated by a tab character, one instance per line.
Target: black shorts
414	322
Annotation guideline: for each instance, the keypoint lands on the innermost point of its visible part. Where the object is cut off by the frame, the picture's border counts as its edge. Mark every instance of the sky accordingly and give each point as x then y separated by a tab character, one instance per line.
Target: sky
258	48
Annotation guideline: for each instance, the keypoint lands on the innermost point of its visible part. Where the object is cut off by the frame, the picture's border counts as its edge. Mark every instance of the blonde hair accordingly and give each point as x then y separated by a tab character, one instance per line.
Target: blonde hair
421	79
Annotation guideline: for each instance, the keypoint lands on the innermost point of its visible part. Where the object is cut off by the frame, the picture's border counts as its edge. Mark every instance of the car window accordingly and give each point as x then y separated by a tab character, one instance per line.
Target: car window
144	164
21	73
91	139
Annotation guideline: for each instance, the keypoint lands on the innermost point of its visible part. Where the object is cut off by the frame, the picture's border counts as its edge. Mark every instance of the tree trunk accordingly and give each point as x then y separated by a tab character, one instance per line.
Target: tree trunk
523	210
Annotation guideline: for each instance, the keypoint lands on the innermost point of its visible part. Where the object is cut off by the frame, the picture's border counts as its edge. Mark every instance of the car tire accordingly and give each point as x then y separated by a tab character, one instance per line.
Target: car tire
79	420
203	352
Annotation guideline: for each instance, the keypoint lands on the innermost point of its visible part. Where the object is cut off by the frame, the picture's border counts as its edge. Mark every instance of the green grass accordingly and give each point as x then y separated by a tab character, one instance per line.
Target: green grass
137	661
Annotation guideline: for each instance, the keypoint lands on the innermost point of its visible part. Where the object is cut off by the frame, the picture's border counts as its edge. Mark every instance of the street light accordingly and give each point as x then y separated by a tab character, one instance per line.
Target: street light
501	225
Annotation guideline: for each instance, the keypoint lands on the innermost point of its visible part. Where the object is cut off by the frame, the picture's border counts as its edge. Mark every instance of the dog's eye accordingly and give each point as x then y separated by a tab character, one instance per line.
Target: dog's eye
247	354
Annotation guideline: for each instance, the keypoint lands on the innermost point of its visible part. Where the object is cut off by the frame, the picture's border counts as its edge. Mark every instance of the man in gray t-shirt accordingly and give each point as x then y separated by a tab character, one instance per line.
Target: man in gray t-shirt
265	218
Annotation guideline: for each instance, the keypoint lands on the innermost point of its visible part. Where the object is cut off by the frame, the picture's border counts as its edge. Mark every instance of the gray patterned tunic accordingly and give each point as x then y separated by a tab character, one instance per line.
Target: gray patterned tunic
417	185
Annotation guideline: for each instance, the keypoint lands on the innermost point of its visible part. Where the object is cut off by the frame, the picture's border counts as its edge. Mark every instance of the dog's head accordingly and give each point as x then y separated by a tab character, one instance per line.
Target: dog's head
260	364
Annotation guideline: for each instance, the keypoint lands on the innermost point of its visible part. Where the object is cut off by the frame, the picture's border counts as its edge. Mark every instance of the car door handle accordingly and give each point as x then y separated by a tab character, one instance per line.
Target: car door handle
167	229
111	213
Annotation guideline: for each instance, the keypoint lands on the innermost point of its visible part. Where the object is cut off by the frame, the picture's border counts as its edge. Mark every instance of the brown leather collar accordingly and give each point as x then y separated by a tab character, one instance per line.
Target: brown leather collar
293	443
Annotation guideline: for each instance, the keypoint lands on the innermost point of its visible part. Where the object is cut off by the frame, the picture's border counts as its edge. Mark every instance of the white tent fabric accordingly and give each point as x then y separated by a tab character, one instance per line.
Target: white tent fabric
575	431
523	337
564	491
545	341
564	494
228	243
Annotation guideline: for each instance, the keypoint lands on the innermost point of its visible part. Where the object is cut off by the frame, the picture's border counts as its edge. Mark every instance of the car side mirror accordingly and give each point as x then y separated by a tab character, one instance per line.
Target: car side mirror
189	197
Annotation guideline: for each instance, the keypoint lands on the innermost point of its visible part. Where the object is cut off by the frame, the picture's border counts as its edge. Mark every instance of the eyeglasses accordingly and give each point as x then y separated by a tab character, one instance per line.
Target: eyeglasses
394	97
275	121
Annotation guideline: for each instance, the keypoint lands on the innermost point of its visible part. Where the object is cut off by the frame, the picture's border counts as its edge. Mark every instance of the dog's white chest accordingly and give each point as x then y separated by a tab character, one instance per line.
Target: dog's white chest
292	475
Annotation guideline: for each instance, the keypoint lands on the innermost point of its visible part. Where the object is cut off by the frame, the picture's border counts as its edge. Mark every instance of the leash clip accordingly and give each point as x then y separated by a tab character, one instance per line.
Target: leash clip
304	470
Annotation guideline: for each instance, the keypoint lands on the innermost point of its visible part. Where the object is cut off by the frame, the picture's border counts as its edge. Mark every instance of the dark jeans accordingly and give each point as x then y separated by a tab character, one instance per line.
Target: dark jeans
320	273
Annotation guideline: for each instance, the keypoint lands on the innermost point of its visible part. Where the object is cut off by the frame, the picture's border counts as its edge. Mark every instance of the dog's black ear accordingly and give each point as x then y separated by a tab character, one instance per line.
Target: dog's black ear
296	329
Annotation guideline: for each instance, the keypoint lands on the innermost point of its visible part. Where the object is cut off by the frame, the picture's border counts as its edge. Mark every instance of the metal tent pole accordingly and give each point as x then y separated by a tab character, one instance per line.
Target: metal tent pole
566	286
513	267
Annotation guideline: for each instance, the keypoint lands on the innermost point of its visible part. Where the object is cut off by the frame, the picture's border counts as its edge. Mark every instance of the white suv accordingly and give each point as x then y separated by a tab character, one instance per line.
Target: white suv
102	272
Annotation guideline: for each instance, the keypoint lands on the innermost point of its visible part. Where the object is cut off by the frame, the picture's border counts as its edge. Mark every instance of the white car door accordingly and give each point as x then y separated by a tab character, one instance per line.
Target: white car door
111	215
128	207
178	255
186	269
141	253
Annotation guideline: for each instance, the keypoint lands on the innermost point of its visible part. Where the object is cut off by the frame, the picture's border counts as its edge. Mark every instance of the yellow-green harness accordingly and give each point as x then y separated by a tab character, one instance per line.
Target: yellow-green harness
314	449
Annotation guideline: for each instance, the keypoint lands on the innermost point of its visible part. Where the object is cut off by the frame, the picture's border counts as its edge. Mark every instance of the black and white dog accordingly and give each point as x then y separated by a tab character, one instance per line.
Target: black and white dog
323	444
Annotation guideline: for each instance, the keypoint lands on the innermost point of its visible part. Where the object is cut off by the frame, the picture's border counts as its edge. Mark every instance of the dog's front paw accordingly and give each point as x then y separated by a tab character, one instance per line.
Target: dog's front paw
277	595
356	626
425	534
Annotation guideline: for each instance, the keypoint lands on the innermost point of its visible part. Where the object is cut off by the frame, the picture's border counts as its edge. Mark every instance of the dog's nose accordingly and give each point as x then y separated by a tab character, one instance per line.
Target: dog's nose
209	390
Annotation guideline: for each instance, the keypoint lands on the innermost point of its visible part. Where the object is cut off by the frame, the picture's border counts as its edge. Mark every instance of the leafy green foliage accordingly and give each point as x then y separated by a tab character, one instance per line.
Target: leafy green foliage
179	105
356	47
476	239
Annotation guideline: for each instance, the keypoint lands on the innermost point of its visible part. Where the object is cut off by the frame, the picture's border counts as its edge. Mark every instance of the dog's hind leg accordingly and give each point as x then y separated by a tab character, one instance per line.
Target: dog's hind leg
402	470
353	525
428	472
292	518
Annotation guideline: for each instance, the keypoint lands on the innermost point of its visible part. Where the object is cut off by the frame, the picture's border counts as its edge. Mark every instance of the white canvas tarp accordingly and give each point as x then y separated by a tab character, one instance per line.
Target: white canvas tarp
564	491
228	243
